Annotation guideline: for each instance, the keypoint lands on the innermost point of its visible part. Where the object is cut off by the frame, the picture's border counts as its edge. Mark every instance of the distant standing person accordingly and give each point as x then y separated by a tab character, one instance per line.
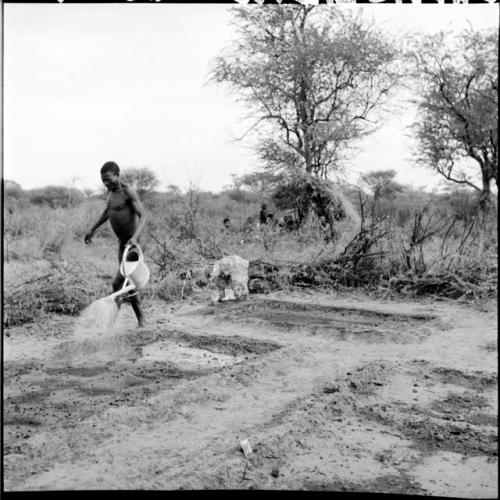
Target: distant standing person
263	214
126	216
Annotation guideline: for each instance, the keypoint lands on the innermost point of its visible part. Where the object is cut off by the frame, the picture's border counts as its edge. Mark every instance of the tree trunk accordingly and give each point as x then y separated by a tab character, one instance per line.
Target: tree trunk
304	125
484	199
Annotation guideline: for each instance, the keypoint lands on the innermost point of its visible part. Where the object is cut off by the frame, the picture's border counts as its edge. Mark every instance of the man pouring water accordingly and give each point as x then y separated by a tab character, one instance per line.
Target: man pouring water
126	216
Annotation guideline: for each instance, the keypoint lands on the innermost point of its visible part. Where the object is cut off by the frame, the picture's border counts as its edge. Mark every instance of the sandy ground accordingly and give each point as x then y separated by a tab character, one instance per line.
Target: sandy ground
332	392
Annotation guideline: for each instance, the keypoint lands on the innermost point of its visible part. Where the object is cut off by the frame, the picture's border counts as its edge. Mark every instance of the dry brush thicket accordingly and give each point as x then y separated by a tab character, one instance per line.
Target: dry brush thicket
408	243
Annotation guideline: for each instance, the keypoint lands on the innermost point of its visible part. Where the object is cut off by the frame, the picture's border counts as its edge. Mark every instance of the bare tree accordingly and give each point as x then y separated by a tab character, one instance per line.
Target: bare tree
458	122
312	76
143	179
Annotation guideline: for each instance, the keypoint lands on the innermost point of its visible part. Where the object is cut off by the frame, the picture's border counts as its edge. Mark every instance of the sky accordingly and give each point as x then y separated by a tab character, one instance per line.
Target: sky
90	83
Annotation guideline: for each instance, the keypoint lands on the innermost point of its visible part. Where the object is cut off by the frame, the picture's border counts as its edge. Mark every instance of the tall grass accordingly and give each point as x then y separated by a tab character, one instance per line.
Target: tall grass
185	233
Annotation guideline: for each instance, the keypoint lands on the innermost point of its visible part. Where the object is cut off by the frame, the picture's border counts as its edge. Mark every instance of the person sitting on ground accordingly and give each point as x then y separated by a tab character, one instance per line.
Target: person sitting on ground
228	225
126	216
289	222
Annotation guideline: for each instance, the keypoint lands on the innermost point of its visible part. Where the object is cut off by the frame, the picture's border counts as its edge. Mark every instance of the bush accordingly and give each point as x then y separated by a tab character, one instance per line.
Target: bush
12	189
56	196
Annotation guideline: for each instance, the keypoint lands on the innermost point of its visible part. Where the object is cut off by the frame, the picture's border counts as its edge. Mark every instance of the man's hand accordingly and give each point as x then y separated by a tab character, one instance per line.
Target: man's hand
132	242
88	237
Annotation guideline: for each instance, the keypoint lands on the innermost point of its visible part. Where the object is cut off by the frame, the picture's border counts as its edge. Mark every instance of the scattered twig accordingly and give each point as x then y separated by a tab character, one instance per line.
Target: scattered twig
243	477
33	280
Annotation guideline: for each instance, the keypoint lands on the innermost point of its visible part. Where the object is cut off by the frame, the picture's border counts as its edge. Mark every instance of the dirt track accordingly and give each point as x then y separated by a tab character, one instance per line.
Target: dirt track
333	393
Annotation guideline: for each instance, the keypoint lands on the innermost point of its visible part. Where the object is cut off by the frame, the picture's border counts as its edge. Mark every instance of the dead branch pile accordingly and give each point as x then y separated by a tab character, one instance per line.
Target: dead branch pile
367	261
264	277
473	282
60	291
357	264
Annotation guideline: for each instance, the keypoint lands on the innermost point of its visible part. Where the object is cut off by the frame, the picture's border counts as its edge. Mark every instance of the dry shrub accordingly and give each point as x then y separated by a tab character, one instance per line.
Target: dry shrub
460	262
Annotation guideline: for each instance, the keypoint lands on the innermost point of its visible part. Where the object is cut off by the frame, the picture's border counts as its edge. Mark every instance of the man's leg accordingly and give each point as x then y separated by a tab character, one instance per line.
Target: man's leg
117	284
118	279
135	302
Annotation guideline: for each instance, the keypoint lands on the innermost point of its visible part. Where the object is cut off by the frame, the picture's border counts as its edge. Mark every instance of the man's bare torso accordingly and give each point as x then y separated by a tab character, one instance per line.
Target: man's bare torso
122	216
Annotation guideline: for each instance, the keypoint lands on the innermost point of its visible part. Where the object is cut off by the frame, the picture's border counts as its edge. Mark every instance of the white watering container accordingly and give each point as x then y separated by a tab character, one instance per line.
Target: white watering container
133	267
135	271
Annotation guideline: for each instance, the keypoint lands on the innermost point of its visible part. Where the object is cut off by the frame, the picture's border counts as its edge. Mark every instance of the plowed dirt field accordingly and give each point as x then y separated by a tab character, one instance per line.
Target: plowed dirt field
333	392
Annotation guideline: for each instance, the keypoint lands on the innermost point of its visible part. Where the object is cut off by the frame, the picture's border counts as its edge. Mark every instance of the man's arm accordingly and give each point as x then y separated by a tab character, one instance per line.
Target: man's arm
138	209
102	219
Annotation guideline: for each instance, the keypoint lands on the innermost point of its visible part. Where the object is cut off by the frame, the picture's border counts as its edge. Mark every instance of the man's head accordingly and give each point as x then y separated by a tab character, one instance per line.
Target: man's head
226	222
110	175
263	206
